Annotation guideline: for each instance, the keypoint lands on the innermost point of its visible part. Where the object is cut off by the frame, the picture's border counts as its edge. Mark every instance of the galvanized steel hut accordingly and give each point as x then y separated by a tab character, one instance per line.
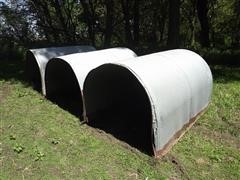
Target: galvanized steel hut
36	60
65	75
151	101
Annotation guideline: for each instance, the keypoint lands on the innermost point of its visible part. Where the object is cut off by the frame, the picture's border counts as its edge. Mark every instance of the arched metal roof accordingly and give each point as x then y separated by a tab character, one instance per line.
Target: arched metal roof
80	65
178	84
36	60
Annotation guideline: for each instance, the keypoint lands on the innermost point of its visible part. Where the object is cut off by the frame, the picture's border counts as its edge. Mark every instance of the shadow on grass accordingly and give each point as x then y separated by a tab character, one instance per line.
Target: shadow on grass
225	74
15	70
225	58
12	70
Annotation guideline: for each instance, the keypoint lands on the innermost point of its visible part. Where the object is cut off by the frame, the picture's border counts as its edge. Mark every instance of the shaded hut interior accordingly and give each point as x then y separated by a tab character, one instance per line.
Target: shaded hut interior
117	103
33	74
62	87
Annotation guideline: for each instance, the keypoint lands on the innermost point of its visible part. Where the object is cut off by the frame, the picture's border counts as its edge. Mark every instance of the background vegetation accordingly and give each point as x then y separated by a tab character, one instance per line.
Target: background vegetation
39	140
144	26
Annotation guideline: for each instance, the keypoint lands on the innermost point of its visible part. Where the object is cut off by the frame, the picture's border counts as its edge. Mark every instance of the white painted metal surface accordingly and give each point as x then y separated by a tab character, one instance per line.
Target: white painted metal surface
178	84
82	63
43	55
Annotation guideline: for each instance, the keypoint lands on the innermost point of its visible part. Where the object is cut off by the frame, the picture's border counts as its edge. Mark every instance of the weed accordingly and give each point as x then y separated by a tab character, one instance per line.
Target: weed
18	148
55	141
12	137
38	154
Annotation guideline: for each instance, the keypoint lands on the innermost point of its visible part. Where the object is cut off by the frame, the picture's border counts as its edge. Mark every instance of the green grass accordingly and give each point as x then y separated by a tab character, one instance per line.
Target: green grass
41	141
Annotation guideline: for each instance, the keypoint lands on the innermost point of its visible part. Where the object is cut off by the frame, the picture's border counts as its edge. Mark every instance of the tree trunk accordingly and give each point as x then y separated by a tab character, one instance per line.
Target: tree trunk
162	19
89	19
236	34
62	20
109	23
154	37
174	24
192	23
136	22
202	10
125	8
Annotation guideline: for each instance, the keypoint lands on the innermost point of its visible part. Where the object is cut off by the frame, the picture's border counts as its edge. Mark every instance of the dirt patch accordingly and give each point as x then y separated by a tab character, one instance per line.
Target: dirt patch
56	172
100	134
4	91
220	137
179	167
201	161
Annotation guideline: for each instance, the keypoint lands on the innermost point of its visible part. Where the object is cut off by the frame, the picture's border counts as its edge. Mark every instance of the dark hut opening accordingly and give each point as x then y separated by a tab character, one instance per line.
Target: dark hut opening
117	103
33	72
62	87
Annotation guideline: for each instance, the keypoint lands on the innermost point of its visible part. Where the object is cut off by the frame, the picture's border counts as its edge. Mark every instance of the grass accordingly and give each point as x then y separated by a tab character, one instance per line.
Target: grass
41	141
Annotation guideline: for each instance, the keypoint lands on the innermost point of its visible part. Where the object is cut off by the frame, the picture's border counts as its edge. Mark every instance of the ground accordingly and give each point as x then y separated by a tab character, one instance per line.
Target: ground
39	140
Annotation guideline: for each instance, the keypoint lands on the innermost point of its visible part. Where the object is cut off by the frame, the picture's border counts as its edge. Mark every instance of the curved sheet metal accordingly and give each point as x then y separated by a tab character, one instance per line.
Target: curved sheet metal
36	60
58	78
178	84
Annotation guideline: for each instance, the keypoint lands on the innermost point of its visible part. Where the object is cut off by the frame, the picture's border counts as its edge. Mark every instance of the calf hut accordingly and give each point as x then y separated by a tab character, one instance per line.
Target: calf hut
36	60
65	75
151	101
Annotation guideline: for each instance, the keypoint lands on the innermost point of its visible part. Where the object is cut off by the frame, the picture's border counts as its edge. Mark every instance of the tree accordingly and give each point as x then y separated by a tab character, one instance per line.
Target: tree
202	11
136	16
236	41
89	18
109	22
126	13
144	26
14	22
174	24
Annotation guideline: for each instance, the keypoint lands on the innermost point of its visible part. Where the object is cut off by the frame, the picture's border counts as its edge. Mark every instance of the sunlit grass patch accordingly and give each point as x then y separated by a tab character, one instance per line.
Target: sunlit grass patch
39	140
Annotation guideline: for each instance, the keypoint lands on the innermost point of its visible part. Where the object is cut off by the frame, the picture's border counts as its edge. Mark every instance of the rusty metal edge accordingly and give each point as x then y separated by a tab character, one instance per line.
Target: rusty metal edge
177	136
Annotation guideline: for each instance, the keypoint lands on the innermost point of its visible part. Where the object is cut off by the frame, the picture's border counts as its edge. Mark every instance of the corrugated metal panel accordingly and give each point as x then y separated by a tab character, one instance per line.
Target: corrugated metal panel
178	84
40	57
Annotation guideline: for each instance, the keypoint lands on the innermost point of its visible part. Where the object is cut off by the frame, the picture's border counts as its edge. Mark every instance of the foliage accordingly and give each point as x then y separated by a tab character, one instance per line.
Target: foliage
18	148
145	26
15	22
